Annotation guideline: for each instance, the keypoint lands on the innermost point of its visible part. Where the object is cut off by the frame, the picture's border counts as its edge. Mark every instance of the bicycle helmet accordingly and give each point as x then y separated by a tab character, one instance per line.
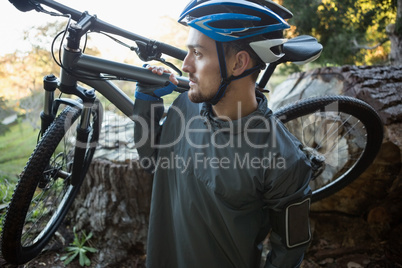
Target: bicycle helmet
232	20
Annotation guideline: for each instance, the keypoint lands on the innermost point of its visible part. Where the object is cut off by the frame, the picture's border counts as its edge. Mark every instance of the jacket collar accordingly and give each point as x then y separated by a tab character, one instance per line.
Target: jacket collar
236	126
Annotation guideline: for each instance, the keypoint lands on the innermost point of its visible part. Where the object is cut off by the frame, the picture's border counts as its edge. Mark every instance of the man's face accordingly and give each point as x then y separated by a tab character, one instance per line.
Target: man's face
202	65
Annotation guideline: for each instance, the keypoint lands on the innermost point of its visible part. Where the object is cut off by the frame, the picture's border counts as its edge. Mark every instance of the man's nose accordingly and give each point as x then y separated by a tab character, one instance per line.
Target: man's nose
187	65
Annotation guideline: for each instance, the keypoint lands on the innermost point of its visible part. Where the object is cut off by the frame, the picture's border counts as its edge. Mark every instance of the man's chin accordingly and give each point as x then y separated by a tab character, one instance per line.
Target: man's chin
194	100
194	96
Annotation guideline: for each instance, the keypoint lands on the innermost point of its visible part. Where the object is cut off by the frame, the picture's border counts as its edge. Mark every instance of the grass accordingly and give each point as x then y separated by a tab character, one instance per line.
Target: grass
16	146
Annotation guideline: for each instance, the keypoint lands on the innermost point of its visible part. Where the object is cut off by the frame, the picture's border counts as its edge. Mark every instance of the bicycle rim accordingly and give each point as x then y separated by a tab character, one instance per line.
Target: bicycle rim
44	192
346	131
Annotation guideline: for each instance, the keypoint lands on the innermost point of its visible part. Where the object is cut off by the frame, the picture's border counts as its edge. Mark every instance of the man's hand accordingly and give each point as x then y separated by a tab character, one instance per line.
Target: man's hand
152	92
162	70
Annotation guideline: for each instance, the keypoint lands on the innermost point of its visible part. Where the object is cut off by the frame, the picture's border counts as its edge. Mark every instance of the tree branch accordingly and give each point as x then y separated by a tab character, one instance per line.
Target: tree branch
358	46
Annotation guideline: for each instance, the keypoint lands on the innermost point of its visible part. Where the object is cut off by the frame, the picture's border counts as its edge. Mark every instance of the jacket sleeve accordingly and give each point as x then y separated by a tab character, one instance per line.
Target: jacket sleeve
288	205
147	130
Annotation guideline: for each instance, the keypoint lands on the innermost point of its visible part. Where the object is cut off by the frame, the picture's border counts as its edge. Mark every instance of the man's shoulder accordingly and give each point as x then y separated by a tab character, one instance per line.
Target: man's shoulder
183	103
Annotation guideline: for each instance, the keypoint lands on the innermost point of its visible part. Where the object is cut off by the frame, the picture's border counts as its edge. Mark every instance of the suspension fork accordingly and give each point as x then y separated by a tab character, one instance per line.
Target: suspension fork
50	83
69	85
83	129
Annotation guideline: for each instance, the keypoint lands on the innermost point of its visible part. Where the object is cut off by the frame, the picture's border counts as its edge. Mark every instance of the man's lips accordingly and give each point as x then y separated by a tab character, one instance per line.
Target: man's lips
192	83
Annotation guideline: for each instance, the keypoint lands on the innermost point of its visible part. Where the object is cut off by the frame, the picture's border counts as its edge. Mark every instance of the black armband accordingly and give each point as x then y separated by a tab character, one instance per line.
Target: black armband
293	223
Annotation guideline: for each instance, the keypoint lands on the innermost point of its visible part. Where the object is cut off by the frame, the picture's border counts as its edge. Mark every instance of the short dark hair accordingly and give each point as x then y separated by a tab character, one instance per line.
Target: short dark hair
234	47
243	45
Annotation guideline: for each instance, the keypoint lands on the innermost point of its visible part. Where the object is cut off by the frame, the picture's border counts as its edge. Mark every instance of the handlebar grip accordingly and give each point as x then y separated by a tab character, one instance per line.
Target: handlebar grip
23	5
172	51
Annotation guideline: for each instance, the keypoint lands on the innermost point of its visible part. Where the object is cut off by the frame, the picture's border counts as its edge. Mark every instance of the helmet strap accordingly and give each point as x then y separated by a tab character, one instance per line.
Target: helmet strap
225	81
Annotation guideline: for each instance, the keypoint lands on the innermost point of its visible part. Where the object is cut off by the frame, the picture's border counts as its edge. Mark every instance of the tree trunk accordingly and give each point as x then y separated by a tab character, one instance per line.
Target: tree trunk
114	199
395	35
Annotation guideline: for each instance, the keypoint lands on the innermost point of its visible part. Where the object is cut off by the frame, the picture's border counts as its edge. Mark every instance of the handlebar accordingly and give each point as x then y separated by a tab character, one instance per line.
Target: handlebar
98	25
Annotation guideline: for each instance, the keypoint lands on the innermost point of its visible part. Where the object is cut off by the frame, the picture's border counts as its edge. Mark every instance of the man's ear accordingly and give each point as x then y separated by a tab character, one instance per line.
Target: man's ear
243	60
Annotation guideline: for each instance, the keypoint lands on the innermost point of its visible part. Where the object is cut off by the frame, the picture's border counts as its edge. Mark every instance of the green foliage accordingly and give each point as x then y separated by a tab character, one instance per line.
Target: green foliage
2	216
3	129
16	147
78	249
6	191
348	29
4	112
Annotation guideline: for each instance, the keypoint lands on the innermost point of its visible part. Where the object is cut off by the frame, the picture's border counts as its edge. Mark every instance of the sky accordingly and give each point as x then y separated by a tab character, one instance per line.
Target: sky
143	18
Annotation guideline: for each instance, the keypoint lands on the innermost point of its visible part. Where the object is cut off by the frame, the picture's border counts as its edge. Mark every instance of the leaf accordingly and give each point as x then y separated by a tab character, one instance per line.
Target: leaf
87	261
82	260
92	250
78	248
71	258
89	236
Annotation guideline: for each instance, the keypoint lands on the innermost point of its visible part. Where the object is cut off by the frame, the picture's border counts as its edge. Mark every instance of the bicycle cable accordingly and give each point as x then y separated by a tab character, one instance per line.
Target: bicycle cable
59	60
119	42
137	49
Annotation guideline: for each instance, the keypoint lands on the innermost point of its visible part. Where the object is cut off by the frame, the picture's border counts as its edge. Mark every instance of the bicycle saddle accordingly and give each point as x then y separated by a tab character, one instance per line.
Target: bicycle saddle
301	50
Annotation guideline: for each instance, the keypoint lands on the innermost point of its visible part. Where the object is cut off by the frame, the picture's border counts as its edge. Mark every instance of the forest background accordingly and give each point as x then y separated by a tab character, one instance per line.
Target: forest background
353	32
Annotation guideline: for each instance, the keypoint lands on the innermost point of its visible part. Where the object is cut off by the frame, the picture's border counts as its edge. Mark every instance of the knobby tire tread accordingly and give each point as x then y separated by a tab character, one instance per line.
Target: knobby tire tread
24	191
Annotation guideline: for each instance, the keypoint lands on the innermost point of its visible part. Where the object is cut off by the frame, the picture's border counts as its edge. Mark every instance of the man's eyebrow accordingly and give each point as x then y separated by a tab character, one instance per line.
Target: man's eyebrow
192	46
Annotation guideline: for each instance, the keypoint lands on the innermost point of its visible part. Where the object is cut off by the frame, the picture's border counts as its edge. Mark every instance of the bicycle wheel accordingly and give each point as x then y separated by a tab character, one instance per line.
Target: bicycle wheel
44	193
345	131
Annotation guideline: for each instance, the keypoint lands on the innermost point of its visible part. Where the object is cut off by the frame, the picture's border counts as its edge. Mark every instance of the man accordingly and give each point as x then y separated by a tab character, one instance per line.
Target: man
226	172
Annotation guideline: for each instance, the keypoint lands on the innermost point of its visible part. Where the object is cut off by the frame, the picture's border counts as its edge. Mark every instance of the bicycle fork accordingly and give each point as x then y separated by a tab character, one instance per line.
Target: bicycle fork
84	128
82	146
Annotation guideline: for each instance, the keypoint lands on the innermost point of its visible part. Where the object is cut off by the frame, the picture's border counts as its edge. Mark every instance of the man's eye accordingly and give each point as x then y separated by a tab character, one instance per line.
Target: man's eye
196	53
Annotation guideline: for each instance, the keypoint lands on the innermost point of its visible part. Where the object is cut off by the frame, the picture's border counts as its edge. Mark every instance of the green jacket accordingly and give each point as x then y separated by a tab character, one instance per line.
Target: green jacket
218	184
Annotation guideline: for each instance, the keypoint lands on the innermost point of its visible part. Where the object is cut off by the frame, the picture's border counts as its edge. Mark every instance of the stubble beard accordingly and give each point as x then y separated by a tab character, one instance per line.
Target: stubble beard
196	95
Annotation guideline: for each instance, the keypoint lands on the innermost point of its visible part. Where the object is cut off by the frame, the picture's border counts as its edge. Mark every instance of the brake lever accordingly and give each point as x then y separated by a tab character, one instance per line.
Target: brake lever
149	51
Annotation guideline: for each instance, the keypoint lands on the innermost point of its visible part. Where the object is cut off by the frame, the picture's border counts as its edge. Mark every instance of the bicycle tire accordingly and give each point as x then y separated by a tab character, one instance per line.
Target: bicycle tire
346	131
44	194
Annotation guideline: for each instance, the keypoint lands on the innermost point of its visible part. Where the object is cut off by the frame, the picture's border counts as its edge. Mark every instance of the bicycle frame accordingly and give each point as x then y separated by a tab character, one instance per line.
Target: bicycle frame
77	66
92	71
95	66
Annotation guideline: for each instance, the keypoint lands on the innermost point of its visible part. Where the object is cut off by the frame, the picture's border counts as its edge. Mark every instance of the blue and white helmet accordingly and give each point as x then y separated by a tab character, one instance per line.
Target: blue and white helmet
231	20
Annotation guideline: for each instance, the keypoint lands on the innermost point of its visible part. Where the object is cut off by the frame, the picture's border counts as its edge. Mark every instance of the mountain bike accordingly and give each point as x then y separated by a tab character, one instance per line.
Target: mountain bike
341	135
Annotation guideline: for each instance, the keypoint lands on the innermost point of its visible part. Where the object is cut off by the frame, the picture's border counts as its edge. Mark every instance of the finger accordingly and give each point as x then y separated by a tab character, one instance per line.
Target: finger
161	70
173	79
157	70
147	66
